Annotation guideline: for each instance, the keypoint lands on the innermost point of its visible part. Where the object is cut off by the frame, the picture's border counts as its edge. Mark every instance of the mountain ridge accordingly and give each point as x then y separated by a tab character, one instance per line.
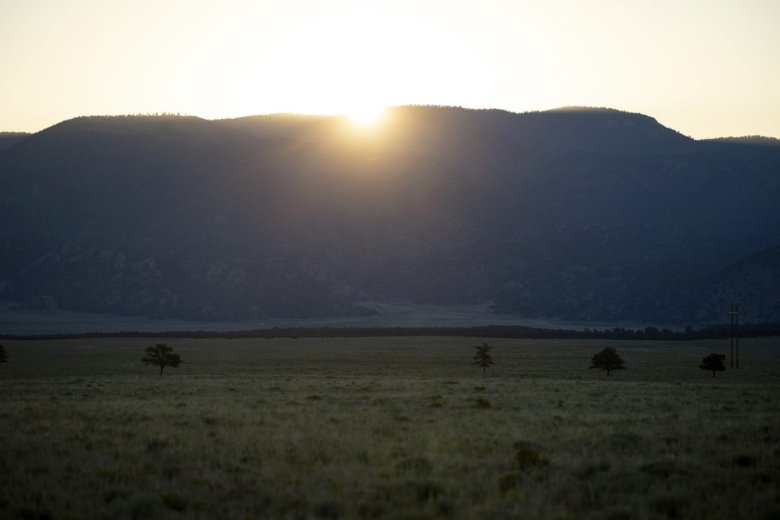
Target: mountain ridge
582	109
580	214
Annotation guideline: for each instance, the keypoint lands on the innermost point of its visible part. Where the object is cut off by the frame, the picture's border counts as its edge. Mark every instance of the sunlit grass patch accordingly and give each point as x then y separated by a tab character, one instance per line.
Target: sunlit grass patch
363	438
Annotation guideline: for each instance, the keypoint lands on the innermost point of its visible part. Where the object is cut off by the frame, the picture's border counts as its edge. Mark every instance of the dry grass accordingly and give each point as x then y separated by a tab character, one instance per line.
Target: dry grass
387	427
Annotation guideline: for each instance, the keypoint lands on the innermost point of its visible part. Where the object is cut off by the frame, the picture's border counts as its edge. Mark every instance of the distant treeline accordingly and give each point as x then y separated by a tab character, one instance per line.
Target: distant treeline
748	330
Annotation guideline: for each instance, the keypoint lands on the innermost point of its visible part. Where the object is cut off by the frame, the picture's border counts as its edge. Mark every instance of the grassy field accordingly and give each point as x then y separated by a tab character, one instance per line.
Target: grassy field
387	428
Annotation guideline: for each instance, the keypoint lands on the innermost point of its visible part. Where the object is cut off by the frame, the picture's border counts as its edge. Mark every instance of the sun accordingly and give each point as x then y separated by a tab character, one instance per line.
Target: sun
366	115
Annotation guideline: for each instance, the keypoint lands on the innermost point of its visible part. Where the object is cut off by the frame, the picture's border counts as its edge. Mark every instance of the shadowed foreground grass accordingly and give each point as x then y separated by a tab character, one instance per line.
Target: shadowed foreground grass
387	428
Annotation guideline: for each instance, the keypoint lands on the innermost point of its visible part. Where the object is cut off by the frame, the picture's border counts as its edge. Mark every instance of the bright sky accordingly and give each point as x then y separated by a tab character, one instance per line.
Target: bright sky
704	67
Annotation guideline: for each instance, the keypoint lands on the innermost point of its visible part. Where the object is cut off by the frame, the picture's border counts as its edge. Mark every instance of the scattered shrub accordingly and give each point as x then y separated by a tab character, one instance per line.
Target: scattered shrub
618	514
587	471
370	510
173	501
327	510
762	478
156	445
113	494
444	509
209	421
143	507
662	469
509	481
528	455
427	491
29	513
744	461
418	465
292	508
482	403
673	506
624	441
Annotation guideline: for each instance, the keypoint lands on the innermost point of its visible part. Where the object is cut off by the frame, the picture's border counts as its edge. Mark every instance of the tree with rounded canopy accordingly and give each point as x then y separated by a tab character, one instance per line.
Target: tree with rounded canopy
161	355
713	362
482	357
608	359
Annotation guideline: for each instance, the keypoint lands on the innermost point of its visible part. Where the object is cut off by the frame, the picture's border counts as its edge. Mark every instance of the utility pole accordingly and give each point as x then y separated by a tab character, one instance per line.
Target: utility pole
734	339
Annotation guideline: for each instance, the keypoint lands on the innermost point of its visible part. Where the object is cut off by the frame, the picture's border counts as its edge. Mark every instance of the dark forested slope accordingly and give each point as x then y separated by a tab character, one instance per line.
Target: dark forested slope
588	214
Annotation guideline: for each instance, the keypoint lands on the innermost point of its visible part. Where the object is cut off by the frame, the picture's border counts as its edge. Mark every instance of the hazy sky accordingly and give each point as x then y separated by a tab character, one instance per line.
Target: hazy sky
703	67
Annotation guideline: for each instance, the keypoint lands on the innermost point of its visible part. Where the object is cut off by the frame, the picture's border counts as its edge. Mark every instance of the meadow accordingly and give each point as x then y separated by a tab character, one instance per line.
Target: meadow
388	428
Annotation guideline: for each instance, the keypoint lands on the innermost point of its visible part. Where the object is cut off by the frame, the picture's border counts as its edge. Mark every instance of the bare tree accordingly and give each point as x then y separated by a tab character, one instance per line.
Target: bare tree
161	355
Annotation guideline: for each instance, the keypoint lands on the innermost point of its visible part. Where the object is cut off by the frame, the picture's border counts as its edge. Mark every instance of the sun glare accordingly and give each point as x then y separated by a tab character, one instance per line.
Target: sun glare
366	115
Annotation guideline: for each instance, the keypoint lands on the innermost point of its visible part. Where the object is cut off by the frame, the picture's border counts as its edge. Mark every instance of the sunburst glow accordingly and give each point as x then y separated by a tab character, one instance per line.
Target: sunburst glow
366	115
312	57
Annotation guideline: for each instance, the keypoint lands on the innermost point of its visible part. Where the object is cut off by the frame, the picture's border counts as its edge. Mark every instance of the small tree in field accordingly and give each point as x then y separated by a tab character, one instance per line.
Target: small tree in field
713	362
482	357
161	355
3	355
607	360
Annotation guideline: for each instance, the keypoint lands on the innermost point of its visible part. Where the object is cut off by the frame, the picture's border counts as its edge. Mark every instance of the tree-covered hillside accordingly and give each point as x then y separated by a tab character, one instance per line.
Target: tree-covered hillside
588	214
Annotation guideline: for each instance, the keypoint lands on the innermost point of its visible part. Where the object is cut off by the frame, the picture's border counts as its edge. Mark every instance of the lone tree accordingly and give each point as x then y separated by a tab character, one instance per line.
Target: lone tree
161	355
482	357
713	362
607	360
3	355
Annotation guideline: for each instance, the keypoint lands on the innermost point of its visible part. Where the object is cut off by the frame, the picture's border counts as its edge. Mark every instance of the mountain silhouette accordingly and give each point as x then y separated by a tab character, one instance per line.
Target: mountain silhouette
575	213
8	139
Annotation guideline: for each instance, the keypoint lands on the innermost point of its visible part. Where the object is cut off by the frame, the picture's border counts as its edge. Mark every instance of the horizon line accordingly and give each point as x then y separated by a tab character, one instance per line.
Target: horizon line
387	107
